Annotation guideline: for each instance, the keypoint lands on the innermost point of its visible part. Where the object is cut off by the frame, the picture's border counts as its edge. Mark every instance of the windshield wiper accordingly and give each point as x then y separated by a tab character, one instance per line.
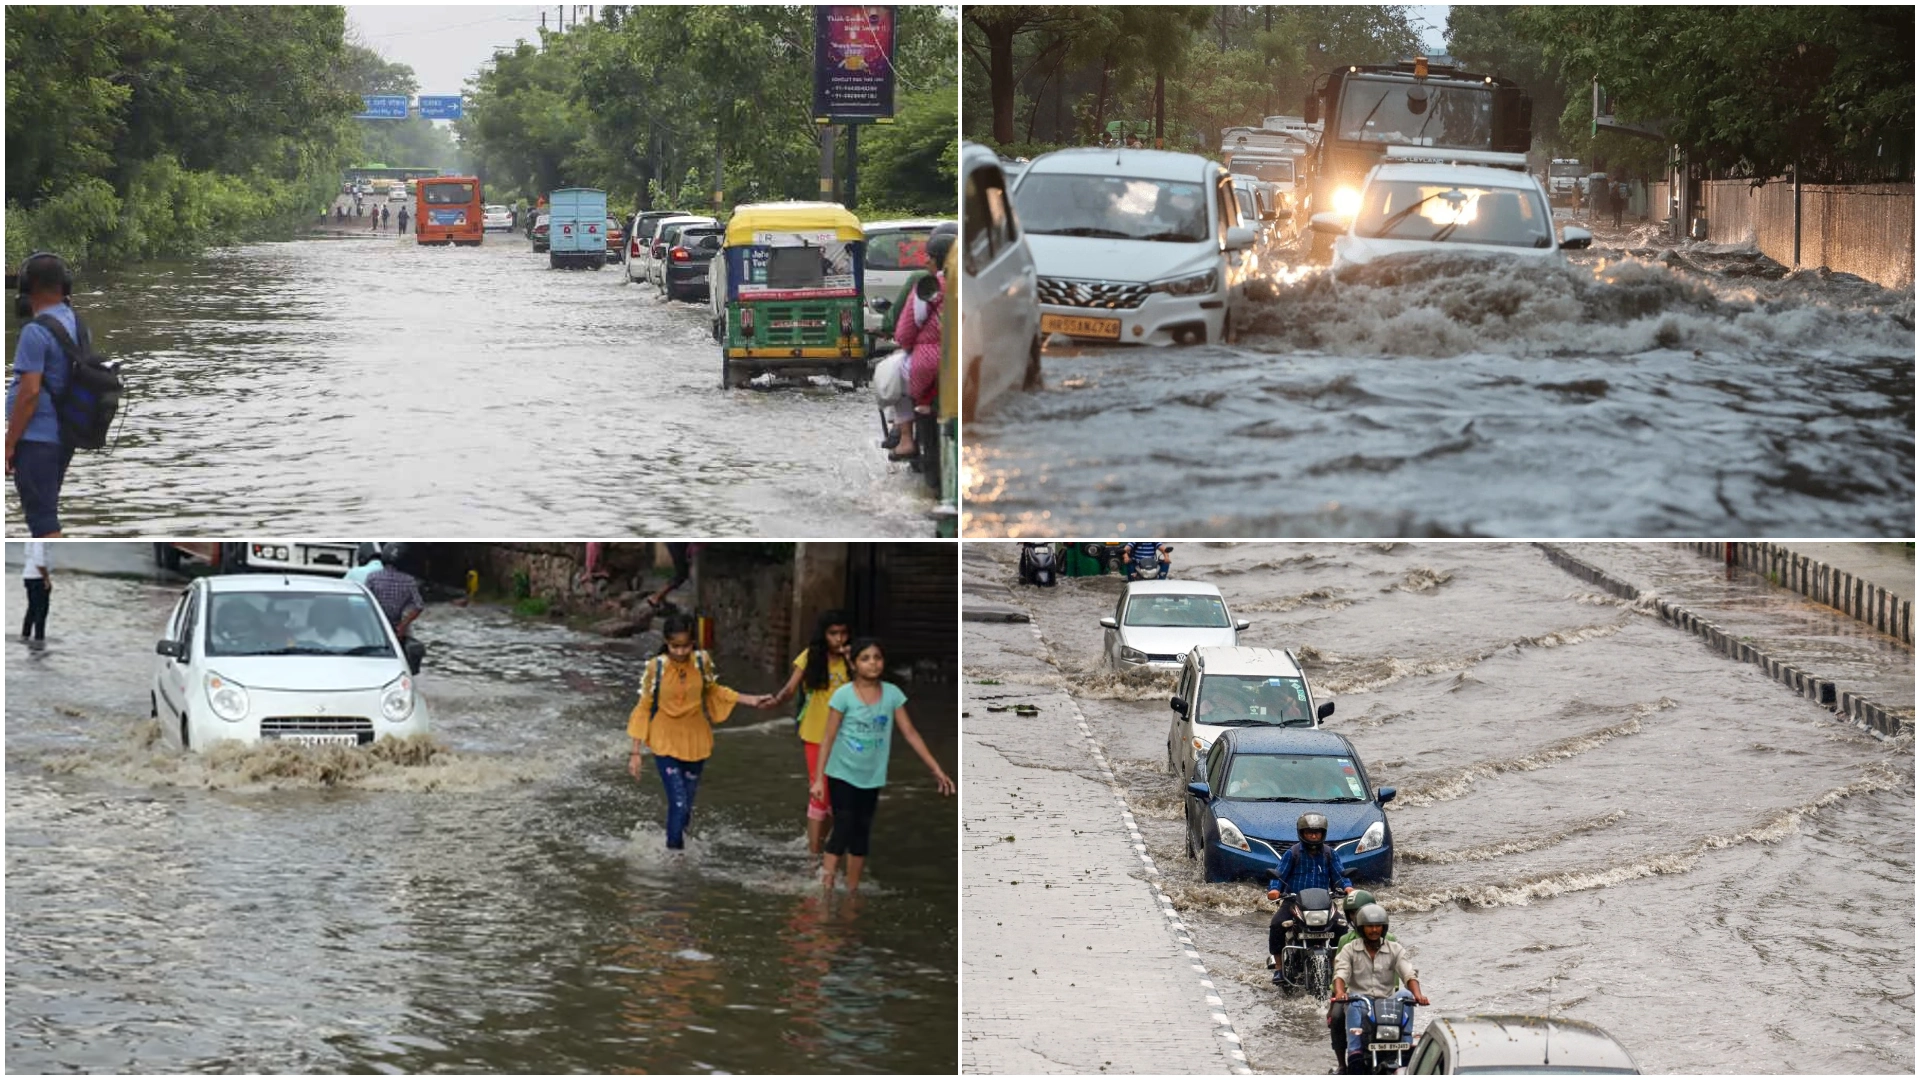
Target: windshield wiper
1179	237
1444	232
1362	132
291	650
368	650
1402	215
1238	721
1085	230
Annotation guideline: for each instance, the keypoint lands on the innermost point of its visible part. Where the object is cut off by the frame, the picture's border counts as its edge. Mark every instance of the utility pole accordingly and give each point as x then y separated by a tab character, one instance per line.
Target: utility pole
826	163
853	165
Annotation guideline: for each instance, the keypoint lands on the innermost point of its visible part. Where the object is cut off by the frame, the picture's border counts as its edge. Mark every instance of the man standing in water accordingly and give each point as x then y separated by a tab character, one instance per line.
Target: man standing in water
37	455
38	577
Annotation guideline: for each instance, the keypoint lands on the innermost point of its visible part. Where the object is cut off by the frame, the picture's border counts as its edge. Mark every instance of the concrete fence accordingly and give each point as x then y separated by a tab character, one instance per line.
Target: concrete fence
1864	229
1815	580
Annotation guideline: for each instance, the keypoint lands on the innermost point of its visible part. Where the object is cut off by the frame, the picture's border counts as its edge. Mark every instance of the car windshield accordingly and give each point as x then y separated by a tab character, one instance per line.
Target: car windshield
1453	213
1381	111
900	249
448	194
1114	207
296	624
1166	609
1275	169
1234	700
1293	778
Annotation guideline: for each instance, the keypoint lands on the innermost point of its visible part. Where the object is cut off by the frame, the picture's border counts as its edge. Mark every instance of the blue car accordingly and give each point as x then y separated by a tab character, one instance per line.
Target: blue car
1257	781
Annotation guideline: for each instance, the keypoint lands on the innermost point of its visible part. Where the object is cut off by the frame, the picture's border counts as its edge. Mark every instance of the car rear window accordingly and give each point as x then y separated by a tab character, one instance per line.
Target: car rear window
898	250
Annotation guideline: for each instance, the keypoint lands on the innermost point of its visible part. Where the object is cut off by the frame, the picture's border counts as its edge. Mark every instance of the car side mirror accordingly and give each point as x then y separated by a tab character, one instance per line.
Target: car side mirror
1576	237
1386	795
168	648
1326	710
1179	705
1108	622
1199	790
1326	222
1241	624
1239	238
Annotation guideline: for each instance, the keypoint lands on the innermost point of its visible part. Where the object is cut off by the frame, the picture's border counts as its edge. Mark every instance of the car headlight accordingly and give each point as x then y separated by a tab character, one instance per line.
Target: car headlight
1316	918
396	701
228	698
1132	655
1346	201
1231	835
1191	285
1386	1033
1375	836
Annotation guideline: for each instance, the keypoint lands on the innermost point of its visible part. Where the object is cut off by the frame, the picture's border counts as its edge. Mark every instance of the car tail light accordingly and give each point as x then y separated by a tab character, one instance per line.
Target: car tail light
679	254
746	321
633	250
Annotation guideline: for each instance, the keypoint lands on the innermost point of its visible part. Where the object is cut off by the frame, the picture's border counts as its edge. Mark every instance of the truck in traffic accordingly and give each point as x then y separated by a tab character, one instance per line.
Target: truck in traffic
259	556
1565	180
1366	108
577	228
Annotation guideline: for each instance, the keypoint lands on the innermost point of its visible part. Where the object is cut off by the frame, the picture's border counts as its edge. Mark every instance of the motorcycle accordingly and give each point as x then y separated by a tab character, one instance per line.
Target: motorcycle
1306	961
1386	1043
1037	565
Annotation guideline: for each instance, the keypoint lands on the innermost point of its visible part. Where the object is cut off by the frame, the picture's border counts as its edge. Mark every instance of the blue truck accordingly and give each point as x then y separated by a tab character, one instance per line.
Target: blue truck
577	228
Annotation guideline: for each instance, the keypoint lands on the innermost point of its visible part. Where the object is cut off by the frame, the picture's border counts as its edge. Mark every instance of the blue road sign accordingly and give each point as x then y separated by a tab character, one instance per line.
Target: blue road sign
384	107
440	106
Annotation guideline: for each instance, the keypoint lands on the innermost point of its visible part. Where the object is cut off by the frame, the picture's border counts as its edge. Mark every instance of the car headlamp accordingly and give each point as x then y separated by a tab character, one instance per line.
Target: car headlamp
1346	201
227	698
1191	285
396	699
1375	836
1132	655
1231	836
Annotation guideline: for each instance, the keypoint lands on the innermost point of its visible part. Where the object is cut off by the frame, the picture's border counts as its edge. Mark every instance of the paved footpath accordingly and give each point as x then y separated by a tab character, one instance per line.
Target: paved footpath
1889	566
1072	959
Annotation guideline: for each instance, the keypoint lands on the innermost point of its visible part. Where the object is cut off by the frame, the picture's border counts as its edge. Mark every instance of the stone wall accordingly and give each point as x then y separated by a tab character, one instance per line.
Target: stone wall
1863	229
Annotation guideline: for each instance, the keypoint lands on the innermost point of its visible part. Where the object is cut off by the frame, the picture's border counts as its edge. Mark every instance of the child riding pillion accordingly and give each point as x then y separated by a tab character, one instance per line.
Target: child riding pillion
853	766
818	672
680	700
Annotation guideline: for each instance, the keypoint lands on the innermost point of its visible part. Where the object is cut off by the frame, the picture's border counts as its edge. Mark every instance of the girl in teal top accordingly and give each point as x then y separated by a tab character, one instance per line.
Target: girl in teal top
861	717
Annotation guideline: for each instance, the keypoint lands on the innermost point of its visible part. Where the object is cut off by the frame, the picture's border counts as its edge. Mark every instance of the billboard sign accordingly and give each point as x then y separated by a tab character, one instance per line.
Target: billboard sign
384	107
440	106
853	64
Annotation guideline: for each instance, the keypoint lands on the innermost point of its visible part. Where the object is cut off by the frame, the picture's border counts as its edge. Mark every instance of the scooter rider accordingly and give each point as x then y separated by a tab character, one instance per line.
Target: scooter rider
1308	864
1372	966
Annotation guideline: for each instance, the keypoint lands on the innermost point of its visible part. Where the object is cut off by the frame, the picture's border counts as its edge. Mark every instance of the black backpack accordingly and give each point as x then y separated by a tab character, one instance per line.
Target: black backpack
87	406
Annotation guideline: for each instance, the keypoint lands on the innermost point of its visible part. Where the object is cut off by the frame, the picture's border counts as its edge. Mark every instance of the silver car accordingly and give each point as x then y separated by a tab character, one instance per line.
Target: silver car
1155	624
1517	1044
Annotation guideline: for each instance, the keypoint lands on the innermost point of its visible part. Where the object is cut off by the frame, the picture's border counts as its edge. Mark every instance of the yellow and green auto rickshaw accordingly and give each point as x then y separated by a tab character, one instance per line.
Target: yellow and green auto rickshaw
946	515
787	291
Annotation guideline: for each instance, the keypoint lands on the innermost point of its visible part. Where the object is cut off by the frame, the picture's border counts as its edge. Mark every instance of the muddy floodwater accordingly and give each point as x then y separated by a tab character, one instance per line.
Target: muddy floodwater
367	384
504	904
1634	392
1597	814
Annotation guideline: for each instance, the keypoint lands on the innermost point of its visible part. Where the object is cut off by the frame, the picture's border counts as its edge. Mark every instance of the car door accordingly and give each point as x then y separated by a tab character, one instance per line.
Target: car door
1112	636
176	671
1200	814
1179	728
1000	304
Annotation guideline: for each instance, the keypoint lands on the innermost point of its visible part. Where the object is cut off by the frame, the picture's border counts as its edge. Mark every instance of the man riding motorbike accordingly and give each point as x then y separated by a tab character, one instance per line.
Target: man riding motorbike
1308	864
1372	967
1356	900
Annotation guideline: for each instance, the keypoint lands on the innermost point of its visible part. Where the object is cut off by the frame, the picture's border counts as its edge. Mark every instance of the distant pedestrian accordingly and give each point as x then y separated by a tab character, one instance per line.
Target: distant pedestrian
38	576
386	215
398	595
1620	191
513	218
403	220
37	453
375	216
857	742
681	699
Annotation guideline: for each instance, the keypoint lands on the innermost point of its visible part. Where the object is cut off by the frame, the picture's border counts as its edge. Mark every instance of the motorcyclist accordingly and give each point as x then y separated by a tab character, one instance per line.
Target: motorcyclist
1308	864
1371	966
1356	900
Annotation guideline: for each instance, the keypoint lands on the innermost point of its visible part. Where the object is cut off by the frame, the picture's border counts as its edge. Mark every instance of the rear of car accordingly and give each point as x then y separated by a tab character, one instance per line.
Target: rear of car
684	270
639	244
576	234
616	236
542	226
497	218
666	234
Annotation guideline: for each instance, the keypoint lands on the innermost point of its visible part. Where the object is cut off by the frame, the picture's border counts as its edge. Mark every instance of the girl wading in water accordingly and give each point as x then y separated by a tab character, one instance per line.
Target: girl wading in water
853	767
818	672
680	700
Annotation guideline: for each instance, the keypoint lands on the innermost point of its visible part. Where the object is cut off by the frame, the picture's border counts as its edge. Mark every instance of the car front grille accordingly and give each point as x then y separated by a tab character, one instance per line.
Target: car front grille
1162	658
1103	295
275	726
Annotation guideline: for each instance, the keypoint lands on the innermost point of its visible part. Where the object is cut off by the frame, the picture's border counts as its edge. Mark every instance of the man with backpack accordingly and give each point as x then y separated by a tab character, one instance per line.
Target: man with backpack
63	396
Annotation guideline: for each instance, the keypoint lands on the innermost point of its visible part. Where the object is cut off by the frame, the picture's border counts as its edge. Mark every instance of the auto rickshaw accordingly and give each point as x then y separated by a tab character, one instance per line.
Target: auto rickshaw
946	515
786	293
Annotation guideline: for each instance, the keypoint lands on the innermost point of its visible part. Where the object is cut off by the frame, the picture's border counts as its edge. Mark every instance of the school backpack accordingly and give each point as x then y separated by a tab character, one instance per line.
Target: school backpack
660	672
87	406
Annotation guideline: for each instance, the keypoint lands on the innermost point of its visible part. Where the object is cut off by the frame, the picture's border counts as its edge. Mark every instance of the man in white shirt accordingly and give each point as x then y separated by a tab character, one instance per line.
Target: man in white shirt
38	575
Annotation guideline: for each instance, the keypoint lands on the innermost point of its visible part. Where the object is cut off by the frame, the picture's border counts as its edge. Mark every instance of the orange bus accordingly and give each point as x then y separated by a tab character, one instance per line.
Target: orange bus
447	210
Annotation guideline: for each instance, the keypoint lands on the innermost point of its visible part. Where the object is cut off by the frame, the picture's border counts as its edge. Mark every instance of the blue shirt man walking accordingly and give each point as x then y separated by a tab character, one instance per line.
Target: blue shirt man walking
37	458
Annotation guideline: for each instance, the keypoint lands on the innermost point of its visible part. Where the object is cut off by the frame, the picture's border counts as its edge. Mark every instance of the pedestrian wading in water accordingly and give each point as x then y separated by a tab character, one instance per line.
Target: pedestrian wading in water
853	766
680	700
818	673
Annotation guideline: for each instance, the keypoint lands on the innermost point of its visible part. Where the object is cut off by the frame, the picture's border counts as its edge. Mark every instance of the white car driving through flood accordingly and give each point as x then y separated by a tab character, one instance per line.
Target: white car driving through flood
1409	205
287	657
1156	623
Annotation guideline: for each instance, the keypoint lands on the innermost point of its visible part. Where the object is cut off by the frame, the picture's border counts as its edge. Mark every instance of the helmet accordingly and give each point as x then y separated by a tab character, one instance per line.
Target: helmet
367	553
1310	821
1371	915
1356	900
390	553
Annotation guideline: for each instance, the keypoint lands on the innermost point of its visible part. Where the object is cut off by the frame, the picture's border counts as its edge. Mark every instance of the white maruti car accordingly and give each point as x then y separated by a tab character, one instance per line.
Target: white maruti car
496	217
1156	623
1473	201
1138	246
287	657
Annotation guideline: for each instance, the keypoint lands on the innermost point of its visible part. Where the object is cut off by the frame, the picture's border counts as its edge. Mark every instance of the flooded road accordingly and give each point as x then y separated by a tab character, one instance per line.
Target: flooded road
1597	814
502	906
1635	392
367	384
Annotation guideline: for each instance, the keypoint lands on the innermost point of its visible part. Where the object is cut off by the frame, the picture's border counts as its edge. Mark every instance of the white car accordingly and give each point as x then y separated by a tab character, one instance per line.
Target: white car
653	253
398	193
896	250
1223	687
496	217
1138	246
253	657
640	233
1478	201
1453	1045
1156	624
999	305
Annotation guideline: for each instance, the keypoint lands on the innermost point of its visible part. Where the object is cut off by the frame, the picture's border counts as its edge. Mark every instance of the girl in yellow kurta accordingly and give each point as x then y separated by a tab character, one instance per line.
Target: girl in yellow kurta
680	700
822	668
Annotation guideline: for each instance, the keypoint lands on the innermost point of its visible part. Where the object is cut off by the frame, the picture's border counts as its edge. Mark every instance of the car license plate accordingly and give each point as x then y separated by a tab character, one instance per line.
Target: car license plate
342	739
1389	1047
1080	326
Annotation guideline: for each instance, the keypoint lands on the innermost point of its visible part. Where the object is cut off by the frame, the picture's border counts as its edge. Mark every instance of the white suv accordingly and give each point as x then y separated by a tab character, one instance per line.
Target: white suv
1223	687
1138	246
